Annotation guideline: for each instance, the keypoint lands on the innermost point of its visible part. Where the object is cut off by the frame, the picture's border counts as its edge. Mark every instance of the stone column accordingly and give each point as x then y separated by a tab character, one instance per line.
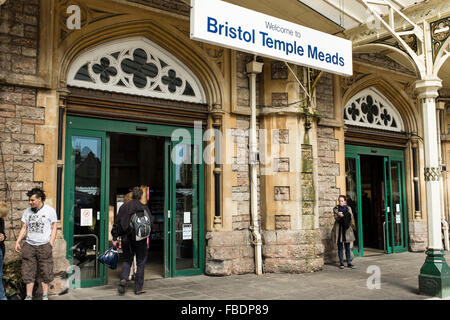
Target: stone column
434	278
217	114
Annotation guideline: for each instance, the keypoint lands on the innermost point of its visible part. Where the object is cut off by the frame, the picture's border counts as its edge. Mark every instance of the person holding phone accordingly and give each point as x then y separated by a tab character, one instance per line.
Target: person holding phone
342	232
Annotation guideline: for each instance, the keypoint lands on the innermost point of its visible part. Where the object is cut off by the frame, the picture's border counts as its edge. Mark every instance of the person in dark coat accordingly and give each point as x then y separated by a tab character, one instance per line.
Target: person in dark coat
3	212
130	247
342	232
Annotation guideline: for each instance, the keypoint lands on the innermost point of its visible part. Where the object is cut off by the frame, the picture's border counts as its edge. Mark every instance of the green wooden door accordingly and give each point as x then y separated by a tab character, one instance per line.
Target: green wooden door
84	204
395	234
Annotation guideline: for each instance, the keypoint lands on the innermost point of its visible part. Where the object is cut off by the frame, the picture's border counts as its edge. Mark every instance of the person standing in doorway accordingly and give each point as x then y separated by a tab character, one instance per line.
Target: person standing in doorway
3	213
342	232
130	247
39	224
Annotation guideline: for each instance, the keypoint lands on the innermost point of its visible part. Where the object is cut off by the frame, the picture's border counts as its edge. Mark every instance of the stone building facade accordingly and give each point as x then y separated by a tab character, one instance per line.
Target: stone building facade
303	146
24	122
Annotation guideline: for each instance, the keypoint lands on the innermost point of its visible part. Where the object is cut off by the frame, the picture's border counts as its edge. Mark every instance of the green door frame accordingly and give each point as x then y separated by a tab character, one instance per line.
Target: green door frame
198	246
170	269
390	155
68	221
100	127
404	239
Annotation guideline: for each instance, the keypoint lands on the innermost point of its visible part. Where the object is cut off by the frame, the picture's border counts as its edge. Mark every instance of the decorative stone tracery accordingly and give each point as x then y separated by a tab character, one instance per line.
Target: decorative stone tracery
370	109
135	66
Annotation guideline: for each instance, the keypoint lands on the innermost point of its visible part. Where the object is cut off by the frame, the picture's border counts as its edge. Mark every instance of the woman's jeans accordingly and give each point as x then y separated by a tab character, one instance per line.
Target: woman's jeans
2	290
341	253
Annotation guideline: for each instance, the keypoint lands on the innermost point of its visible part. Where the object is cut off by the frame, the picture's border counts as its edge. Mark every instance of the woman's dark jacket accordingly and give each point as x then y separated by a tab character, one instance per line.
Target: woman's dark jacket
122	219
349	235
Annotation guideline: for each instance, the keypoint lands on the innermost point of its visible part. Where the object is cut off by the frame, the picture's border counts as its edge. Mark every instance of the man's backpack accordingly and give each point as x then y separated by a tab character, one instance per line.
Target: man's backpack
140	224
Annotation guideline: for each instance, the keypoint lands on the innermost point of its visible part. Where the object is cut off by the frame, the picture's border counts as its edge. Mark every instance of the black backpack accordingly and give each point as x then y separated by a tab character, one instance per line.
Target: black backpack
140	224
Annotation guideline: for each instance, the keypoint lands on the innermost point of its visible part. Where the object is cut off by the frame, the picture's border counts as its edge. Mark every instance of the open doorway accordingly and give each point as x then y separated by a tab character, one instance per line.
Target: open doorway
373	211
139	161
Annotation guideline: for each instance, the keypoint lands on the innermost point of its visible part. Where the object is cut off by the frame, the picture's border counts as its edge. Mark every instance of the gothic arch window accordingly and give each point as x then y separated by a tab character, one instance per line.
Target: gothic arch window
369	108
135	66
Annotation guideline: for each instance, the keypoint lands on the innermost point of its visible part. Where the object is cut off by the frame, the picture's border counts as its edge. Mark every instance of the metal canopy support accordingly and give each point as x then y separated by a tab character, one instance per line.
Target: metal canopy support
375	8
434	278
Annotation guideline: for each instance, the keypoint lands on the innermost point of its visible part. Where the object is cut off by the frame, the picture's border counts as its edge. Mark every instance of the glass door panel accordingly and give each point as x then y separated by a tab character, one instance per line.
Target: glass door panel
397	204
85	205
388	204
167	208
351	182
185	219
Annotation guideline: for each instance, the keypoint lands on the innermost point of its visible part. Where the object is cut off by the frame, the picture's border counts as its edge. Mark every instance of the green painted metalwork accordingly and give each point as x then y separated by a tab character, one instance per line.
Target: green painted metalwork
167	206
69	193
434	277
88	127
390	156
387	199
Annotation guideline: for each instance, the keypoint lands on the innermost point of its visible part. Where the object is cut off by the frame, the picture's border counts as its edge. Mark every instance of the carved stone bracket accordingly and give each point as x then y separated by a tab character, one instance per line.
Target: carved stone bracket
432	174
217	114
63	93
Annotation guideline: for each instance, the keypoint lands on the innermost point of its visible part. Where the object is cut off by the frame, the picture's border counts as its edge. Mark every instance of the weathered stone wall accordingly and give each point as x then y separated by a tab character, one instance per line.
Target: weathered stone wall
232	252
19	152
328	192
229	252
241	191
328	168
20	117
19	114
418	235
292	251
324	96
242	83
18	38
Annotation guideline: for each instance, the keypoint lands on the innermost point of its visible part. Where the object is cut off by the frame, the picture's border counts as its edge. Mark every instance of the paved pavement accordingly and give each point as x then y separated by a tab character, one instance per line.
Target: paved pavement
398	281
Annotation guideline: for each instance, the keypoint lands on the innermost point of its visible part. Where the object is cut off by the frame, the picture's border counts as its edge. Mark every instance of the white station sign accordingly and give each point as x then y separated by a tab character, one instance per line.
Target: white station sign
231	26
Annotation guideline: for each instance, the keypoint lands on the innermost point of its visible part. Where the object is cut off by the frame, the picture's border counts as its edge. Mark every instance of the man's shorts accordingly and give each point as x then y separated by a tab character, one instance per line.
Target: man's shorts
37	258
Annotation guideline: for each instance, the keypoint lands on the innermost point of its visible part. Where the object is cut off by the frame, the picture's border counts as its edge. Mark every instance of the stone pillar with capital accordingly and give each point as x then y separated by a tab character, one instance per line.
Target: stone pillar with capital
217	114
434	277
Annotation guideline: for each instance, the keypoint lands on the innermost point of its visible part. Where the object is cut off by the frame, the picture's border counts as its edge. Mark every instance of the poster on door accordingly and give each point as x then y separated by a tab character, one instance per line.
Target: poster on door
187	231
86	217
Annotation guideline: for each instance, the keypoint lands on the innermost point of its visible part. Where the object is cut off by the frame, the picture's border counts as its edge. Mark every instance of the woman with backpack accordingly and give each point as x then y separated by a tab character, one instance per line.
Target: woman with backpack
131	243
